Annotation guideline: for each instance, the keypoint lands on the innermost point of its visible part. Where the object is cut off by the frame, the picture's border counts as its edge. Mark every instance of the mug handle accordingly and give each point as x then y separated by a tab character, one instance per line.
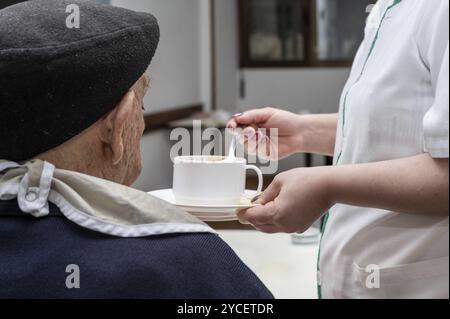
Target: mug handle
260	176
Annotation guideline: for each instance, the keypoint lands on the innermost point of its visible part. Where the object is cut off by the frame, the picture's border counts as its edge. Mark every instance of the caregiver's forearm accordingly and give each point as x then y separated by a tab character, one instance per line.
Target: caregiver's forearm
415	185
318	133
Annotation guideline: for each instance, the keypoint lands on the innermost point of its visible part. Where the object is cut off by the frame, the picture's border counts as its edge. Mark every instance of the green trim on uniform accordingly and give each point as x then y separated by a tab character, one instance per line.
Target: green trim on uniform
322	230
396	2
372	47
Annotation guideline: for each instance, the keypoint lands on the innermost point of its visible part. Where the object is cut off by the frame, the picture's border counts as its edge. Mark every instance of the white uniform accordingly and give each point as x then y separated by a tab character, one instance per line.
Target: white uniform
395	105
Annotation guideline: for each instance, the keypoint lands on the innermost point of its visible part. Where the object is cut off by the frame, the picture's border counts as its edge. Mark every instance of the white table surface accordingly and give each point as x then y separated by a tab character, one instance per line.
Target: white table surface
288	271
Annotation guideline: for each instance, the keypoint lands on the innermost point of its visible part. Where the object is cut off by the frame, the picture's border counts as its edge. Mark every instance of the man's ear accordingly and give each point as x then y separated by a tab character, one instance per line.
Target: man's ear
113	126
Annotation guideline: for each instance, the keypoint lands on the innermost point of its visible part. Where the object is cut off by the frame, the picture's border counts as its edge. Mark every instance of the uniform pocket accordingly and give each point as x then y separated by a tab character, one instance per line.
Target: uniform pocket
422	280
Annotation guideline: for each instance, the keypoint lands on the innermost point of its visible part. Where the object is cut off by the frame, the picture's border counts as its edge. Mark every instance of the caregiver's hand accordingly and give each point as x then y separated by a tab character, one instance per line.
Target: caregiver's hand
315	133
288	136
415	185
292	203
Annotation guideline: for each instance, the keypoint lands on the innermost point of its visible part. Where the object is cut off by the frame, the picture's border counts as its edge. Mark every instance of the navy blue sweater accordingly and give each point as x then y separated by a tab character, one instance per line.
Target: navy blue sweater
34	254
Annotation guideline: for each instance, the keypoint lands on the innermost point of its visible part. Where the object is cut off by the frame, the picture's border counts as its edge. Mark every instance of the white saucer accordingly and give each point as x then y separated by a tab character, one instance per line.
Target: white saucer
208	213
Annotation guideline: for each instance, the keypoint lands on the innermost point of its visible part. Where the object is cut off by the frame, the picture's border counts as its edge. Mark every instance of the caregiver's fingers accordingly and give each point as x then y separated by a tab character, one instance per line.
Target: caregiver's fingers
244	133
232	124
253	117
257	144
268	229
266	212
235	123
259	215
267	149
270	194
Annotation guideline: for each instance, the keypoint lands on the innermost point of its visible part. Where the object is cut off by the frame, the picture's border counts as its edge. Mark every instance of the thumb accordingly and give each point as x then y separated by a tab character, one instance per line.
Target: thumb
269	195
257	116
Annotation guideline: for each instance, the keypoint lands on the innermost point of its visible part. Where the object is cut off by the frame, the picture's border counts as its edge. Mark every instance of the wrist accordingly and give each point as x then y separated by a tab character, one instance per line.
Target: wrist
316	133
301	133
330	185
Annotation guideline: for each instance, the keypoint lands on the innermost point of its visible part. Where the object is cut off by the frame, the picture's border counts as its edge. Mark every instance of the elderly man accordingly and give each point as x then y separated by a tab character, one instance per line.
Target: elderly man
71	119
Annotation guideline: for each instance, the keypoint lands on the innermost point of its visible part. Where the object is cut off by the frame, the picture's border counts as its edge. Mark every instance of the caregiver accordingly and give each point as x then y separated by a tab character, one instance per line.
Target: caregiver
386	200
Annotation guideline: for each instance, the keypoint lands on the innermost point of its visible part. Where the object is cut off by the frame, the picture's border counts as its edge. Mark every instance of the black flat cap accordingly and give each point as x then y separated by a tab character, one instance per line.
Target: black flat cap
57	81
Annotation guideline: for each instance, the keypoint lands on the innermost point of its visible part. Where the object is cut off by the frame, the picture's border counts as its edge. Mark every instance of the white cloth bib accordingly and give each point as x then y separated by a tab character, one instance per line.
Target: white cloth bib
91	202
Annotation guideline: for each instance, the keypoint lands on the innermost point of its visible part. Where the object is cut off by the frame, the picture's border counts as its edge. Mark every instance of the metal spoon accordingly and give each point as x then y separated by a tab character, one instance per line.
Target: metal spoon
232	150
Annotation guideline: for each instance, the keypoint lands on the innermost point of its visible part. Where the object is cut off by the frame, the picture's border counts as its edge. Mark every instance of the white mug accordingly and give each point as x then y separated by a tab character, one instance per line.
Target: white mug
211	180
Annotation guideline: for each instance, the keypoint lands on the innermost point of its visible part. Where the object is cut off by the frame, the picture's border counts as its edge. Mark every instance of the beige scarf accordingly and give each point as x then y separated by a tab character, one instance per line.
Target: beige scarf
92	203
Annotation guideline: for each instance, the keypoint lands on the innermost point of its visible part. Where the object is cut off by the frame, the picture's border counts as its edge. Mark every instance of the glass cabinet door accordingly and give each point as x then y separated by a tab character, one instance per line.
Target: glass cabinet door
275	30
296	33
339	28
